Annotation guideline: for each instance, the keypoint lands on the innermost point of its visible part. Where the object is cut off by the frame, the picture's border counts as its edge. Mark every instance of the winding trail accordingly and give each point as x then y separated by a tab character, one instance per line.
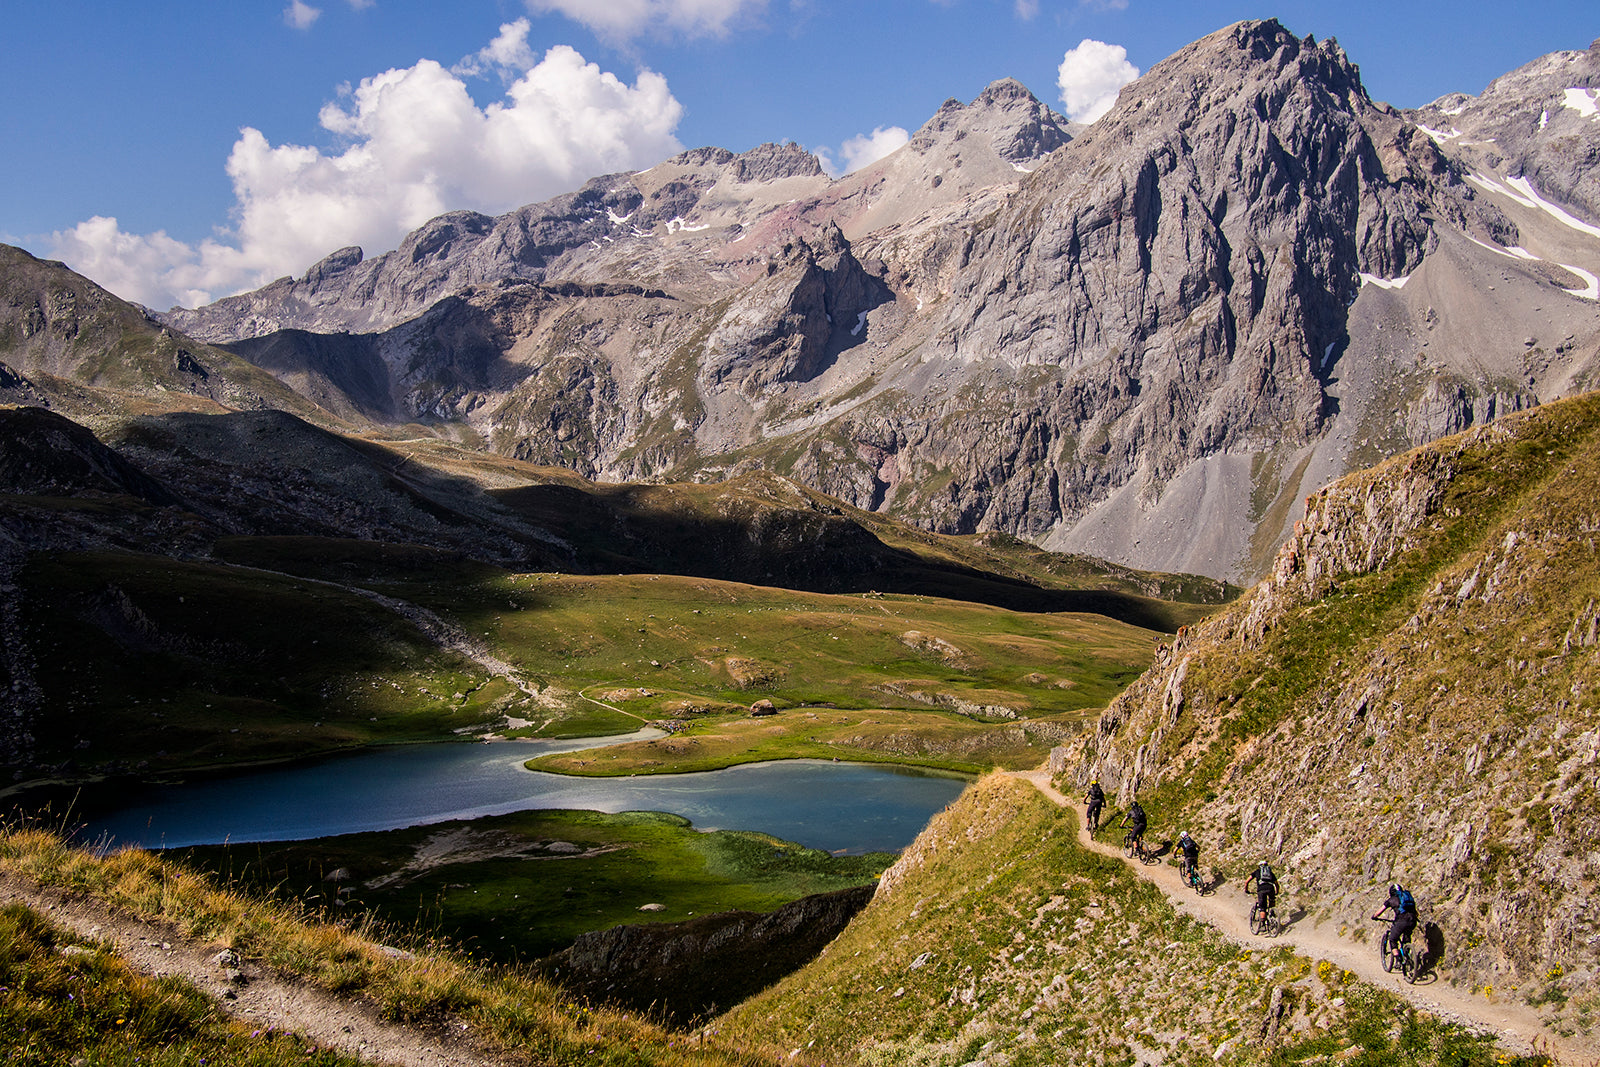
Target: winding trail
1517	1027
254	994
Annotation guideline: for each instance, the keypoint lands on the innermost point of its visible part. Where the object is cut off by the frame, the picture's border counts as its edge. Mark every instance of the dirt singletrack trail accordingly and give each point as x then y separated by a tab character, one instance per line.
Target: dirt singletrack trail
1226	908
251	993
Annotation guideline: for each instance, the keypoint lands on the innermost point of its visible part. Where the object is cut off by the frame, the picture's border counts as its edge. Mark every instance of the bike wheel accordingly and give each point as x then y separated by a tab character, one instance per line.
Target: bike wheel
1408	965
1385	955
1256	920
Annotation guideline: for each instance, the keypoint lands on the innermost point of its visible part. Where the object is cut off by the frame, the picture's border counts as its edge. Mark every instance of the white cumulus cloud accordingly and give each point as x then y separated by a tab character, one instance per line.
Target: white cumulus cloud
1090	76
414	144
508	54
626	19
863	150
300	14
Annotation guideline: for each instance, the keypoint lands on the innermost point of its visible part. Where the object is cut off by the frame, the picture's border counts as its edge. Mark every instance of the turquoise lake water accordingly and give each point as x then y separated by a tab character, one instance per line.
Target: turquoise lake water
840	807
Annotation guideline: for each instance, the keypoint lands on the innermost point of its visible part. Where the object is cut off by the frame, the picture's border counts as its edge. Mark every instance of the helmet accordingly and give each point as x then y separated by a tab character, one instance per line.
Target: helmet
1394	887
1183	833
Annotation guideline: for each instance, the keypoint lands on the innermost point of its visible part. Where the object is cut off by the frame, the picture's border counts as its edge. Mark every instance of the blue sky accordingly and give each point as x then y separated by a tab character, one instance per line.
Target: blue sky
138	117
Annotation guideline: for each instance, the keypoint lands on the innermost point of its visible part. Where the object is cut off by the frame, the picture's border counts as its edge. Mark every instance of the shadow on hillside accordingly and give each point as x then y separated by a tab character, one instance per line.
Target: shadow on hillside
1293	917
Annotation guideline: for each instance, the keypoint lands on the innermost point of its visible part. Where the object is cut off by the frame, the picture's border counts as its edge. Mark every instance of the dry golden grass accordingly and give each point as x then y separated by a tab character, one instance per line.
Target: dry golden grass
523	1016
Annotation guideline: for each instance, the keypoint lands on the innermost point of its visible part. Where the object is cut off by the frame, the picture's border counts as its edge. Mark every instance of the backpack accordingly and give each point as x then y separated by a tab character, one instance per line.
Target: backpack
1404	901
1264	875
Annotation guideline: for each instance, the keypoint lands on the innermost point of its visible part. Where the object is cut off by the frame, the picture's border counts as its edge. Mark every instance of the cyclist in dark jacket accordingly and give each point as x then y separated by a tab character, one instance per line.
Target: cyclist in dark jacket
1096	799
1191	853
1266	889
1134	820
1404	906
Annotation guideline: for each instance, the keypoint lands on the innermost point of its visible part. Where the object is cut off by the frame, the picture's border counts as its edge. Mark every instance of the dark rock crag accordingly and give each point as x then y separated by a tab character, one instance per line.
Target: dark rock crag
686	971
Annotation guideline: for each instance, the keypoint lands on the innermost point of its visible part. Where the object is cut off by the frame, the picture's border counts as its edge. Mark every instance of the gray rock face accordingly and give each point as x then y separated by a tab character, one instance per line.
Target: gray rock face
1539	121
789	325
1146	339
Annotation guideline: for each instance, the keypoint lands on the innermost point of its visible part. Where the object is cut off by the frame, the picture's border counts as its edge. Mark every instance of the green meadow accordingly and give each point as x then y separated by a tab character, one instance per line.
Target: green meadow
289	647
521	886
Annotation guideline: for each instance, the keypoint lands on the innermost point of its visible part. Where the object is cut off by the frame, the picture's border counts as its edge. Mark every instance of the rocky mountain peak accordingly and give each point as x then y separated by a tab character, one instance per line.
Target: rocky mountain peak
1255	64
1006	115
1003	91
700	157
333	263
773	162
1087	336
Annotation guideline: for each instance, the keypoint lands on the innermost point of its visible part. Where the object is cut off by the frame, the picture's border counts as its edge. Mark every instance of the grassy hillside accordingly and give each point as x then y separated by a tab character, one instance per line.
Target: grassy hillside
762	529
996	938
64	999
522	1019
162	663
607	653
1413	694
97	356
194	664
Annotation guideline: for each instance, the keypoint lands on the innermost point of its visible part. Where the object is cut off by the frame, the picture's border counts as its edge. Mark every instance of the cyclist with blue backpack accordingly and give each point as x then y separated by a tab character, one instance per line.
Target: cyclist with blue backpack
1404	906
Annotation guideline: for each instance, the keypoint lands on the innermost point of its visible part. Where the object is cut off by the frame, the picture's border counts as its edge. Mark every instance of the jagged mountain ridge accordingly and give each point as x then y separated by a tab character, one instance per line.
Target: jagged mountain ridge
1148	348
1536	122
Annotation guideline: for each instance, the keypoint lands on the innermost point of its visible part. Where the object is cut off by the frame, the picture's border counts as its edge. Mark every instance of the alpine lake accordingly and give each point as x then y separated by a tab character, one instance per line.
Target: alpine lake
461	841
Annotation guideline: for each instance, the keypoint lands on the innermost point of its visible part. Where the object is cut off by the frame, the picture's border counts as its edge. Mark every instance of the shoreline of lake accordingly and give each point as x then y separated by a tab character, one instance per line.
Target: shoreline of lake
853	806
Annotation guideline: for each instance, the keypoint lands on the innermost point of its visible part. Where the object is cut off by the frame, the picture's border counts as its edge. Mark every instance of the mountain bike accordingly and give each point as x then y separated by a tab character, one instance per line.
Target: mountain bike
1094	820
1399	954
1192	879
1136	849
1264	921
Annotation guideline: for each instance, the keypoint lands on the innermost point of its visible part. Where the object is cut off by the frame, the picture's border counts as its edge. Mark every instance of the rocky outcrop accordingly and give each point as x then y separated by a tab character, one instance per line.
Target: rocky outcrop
791	324
44	454
687	971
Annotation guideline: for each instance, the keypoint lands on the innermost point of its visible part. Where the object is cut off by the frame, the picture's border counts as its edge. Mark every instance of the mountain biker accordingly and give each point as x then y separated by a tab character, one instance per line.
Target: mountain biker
1096	799
1266	886
1135	821
1404	906
1191	854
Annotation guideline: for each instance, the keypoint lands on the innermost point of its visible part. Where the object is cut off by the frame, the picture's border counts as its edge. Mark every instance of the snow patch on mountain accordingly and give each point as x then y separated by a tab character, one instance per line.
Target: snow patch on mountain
1525	187
1590	291
1583	101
